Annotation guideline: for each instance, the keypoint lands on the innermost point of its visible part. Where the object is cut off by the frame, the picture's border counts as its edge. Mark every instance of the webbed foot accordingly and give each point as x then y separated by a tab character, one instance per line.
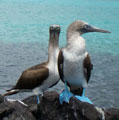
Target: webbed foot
65	96
83	99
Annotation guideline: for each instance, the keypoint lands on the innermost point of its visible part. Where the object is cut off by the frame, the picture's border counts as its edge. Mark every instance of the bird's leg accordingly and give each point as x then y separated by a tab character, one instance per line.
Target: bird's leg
83	98
38	100
36	92
65	95
83	93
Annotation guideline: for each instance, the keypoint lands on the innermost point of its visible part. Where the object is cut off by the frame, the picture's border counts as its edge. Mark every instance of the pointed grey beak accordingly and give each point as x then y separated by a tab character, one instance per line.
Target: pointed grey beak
88	28
94	29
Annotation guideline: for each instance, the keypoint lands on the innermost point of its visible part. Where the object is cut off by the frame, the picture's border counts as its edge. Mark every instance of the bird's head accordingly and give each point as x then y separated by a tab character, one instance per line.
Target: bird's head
54	28
82	27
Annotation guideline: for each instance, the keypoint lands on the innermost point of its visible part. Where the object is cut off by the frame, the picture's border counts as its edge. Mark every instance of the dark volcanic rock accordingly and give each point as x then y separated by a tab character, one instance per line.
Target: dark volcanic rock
112	114
1	99
84	110
50	109
30	100
14	110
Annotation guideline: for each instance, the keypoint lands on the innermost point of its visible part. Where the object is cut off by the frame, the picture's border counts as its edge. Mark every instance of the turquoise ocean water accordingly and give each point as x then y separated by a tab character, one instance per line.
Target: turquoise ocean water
24	26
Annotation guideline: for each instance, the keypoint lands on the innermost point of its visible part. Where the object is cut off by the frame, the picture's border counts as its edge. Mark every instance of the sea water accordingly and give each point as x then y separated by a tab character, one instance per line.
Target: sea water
24	36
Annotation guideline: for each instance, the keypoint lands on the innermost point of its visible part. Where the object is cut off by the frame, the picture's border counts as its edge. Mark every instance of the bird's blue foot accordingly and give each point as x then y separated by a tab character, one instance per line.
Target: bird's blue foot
65	96
83	99
38	100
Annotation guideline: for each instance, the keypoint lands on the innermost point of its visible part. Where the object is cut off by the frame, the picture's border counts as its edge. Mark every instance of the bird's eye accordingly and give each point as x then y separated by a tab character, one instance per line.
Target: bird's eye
86	26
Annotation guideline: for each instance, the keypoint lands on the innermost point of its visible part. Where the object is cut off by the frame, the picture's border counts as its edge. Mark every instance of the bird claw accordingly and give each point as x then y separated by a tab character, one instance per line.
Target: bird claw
65	96
83	99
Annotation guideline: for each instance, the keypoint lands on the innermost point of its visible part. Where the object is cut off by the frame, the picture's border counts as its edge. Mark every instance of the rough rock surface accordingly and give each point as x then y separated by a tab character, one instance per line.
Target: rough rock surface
50	109
14	110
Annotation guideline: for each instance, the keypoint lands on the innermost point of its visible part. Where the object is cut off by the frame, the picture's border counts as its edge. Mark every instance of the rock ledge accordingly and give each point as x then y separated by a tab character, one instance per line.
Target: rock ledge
50	109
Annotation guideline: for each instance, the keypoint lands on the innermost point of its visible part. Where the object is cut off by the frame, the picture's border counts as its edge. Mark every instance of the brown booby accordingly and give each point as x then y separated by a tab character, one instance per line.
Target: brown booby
74	63
40	77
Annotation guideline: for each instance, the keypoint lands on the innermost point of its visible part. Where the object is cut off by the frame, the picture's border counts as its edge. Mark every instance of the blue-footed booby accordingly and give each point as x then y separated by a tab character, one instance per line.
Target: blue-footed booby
40	77
74	63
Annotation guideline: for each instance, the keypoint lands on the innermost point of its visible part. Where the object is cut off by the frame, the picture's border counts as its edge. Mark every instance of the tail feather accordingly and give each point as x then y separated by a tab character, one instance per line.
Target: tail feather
13	88
11	92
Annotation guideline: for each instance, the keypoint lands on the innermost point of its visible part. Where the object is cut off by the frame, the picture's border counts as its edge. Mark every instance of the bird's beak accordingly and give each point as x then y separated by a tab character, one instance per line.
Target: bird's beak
94	29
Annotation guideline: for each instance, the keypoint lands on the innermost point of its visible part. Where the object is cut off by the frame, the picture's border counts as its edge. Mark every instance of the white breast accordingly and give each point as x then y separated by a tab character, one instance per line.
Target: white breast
53	73
73	68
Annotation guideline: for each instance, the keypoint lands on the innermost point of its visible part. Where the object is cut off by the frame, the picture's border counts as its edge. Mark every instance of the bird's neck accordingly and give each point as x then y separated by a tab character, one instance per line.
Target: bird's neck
76	44
53	50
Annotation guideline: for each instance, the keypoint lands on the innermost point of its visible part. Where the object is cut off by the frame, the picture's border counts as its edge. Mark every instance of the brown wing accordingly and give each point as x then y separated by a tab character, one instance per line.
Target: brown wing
60	64
38	66
88	66
32	77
